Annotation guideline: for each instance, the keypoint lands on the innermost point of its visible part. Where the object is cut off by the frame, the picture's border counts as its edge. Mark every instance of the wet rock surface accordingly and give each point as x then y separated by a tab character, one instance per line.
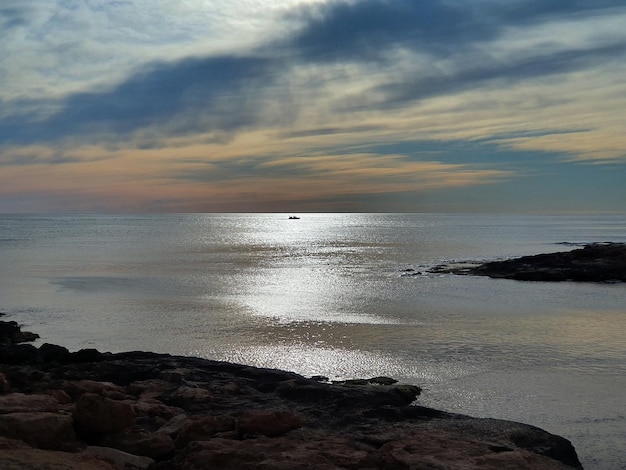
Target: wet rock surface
155	411
596	262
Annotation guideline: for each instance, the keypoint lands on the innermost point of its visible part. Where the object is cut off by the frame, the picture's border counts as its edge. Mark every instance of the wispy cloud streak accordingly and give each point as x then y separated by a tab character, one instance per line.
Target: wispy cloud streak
202	95
194	91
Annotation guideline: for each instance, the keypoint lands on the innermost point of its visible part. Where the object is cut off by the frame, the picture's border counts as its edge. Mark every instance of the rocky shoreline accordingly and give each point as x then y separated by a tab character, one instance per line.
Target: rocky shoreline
142	410
595	262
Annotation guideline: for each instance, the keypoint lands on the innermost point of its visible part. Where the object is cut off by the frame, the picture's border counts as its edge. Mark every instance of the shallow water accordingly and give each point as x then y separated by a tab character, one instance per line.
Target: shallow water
326	295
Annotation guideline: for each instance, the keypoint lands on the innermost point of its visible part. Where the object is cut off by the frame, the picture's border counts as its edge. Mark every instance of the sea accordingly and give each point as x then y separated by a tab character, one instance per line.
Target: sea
343	296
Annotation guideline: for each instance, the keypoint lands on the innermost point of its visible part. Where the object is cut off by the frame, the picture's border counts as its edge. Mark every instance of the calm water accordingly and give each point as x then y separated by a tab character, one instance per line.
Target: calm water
325	295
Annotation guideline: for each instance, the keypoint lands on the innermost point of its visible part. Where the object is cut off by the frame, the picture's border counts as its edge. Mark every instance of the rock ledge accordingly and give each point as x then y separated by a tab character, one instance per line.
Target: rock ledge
596	262
141	410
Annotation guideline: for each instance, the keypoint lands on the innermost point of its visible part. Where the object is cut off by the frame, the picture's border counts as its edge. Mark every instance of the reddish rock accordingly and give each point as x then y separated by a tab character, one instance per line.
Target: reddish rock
37	459
6	443
203	428
97	414
224	454
151	414
19	402
77	388
151	407
232	388
187	394
223	414
444	449
174	425
267	453
268	423
39	429
60	396
153	445
5	386
316	451
151	388
120	459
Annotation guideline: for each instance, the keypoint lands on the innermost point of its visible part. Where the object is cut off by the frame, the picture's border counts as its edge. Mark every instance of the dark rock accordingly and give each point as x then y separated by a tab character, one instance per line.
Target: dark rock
39	429
410	272
23	457
499	449
174	425
60	396
53	353
95	414
382	380
203	428
120	459
555	447
5	385
11	333
86	355
194	413
153	445
77	388
18	354
268	423
21	403
597	262
319	452
155	409
354	392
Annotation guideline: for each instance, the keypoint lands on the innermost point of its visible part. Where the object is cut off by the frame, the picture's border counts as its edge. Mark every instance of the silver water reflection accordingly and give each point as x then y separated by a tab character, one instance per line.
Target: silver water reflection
324	295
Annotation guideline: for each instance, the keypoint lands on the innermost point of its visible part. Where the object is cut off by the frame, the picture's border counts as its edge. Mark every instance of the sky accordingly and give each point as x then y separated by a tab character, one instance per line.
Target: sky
144	106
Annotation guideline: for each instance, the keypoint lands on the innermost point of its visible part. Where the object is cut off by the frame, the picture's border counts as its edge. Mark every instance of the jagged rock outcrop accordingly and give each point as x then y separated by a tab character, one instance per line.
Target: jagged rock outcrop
10	333
596	262
156	411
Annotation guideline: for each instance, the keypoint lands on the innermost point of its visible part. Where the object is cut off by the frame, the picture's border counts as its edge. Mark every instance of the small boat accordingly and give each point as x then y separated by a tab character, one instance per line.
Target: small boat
293	217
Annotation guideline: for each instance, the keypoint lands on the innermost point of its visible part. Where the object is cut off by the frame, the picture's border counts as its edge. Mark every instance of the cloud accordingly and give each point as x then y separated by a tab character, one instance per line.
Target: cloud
432	48
523	11
169	104
338	173
493	73
36	155
13	15
193	95
404	52
329	131
366	30
53	48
